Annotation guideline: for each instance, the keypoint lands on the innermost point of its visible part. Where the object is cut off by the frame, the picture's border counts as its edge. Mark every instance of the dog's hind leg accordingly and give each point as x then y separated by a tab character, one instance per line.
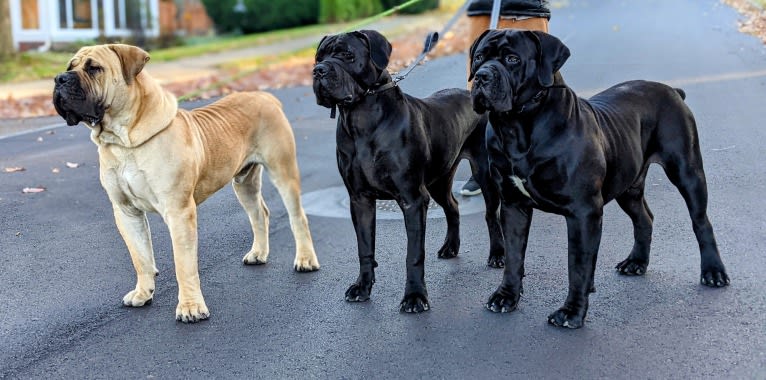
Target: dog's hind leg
441	191
686	173
491	195
134	229
680	155
634	204
247	187
286	178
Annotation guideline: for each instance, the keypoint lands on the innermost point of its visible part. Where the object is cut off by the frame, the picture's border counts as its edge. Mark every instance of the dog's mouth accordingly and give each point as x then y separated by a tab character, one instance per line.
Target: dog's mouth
72	105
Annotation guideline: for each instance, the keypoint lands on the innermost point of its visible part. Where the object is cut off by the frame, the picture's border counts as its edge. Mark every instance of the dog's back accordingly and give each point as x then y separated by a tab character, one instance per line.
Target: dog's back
449	117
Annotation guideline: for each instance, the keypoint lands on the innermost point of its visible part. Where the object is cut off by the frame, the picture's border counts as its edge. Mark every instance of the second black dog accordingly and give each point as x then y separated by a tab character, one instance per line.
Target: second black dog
394	146
556	152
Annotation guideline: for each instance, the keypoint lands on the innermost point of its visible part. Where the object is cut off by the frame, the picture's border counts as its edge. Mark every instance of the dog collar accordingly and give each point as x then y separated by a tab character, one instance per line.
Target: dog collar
381	88
370	91
531	102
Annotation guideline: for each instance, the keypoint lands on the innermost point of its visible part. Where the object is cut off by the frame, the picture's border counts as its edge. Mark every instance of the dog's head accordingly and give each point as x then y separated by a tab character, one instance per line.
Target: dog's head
97	79
347	65
511	66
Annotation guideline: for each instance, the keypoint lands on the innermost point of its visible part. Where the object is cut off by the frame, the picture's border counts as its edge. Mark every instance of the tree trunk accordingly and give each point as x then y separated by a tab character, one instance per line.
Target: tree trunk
6	40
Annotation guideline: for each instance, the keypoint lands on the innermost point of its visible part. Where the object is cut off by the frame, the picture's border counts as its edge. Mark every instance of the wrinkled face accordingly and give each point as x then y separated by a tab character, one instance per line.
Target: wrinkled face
96	79
509	67
347	65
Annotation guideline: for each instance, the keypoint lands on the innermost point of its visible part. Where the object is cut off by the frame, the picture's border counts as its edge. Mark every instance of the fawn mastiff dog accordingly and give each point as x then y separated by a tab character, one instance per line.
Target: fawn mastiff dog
154	157
553	151
391	145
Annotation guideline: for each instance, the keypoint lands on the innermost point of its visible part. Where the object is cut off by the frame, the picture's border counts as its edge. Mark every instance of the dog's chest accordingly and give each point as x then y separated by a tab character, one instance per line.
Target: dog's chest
128	184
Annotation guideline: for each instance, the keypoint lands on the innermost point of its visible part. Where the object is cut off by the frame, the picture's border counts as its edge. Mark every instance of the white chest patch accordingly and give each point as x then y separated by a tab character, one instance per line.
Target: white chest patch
519	183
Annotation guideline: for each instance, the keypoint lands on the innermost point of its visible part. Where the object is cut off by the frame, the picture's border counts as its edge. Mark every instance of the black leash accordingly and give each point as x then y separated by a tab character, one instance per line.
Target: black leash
431	40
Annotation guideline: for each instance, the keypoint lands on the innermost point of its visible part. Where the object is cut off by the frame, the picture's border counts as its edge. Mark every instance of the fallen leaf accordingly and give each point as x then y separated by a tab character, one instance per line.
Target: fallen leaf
28	190
72	165
14	169
55	170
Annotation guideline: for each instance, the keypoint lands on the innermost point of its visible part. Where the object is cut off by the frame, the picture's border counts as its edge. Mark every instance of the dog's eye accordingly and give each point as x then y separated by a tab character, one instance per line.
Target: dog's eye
512	59
346	55
93	70
478	57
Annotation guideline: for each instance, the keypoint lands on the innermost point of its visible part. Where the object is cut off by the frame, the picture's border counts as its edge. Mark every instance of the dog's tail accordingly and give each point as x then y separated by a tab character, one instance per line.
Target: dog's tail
681	92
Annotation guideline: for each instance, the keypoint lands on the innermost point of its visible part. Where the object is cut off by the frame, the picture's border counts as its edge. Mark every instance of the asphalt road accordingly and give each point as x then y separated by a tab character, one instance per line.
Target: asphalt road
65	268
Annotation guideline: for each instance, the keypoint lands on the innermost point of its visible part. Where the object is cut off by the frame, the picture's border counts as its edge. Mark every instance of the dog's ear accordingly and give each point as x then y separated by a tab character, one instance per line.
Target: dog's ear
132	59
380	48
551	55
472	51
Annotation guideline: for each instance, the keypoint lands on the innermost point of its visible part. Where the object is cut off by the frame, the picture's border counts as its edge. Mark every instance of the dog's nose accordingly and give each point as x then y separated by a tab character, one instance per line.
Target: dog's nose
320	71
63	78
482	76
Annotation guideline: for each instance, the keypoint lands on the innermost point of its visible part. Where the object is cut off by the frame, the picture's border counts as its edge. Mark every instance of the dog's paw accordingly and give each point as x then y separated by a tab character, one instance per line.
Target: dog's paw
715	278
448	251
358	292
255	258
191	312
138	298
631	267
414	303
502	302
496	261
306	263
566	318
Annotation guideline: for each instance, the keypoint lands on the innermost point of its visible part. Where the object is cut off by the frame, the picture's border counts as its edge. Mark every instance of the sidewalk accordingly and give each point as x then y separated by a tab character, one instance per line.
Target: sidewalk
190	68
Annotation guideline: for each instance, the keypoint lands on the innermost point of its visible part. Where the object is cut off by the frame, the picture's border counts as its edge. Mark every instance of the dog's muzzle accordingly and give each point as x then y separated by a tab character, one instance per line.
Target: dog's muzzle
489	92
329	88
70	100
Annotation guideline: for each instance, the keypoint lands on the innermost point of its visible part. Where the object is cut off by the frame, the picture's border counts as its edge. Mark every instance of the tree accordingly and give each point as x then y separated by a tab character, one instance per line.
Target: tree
6	40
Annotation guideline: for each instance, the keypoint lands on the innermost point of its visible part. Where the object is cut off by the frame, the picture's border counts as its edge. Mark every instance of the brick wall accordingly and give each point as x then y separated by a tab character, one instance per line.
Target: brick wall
194	19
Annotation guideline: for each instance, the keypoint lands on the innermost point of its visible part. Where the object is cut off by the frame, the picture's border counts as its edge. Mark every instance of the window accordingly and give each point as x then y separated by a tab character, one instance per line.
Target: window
76	14
128	14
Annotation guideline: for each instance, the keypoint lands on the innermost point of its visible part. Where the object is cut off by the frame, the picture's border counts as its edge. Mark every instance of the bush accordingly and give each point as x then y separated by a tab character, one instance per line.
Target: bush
419	7
261	15
345	10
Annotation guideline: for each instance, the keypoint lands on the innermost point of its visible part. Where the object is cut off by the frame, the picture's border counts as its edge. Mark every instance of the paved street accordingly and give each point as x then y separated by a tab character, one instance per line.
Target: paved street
66	268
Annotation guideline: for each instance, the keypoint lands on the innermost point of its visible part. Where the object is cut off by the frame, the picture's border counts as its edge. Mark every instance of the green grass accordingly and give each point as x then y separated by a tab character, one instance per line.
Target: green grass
33	66
762	3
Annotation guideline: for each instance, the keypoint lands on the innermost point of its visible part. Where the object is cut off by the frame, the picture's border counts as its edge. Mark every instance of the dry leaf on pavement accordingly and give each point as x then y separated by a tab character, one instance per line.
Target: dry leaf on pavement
14	169
28	190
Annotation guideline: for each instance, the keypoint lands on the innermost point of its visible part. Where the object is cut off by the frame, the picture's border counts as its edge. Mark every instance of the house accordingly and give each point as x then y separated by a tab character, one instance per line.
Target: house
40	24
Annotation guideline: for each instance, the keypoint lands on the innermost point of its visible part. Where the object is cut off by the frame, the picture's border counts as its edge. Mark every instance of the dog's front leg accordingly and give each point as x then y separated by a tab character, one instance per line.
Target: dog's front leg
584	235
515	221
134	229
182	223
415	295
363	217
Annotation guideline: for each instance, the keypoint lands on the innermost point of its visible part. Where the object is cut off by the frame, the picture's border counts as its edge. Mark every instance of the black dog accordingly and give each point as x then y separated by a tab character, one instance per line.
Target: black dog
553	151
393	146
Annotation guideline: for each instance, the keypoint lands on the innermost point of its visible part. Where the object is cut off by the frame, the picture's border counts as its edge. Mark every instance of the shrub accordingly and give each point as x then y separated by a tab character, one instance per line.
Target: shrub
261	15
345	10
